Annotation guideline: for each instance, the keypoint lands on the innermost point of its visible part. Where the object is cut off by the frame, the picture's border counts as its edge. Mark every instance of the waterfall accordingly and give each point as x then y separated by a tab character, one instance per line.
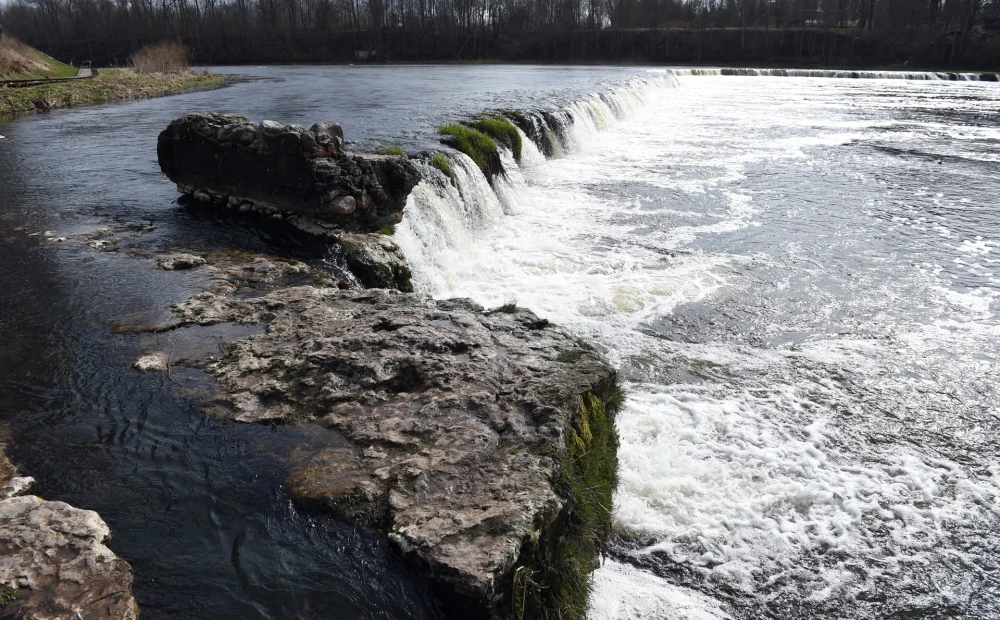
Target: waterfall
445	216
832	73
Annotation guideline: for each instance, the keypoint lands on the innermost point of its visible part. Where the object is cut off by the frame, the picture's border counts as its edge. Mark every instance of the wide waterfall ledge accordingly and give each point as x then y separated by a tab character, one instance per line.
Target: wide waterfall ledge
480	442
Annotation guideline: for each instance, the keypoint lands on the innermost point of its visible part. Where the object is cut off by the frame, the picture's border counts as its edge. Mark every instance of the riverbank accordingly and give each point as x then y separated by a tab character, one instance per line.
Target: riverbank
107	86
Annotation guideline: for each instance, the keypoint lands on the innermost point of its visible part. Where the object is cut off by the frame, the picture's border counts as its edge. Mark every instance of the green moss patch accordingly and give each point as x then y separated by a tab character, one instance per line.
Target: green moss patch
507	308
439	161
502	131
7	595
480	148
395	150
553	582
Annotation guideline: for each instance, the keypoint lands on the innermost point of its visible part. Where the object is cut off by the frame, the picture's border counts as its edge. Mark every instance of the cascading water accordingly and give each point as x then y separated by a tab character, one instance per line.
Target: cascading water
832	73
687	233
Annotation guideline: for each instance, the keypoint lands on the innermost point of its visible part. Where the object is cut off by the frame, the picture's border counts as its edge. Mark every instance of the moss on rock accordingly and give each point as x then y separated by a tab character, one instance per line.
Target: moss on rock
502	131
439	161
552	579
480	148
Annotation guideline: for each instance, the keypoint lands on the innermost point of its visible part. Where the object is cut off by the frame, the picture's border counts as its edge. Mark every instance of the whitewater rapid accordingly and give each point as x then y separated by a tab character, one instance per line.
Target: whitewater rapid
714	236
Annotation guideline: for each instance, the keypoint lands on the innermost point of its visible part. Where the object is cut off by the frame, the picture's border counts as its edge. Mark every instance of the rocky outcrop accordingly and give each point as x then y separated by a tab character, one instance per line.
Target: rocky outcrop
285	171
53	561
481	442
376	261
179	262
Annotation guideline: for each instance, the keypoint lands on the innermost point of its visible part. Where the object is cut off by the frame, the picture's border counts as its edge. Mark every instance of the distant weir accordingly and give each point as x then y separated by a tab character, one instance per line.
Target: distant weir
446	215
831	73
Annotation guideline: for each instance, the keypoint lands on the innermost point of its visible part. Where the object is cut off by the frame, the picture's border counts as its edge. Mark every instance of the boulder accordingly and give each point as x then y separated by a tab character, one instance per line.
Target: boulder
376	261
229	160
481	442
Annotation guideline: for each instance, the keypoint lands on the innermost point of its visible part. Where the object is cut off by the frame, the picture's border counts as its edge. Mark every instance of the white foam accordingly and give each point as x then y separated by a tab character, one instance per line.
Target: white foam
745	475
622	592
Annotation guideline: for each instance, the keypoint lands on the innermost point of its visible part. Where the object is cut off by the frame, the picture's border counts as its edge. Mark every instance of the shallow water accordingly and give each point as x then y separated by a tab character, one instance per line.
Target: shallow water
797	278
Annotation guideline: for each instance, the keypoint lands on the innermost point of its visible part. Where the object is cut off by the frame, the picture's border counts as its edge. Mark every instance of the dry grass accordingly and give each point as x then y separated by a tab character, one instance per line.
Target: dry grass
165	57
108	85
18	61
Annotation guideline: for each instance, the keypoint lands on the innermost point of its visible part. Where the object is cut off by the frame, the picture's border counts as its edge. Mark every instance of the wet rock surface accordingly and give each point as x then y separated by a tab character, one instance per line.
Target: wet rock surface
376	261
445	420
53	561
284	170
178	262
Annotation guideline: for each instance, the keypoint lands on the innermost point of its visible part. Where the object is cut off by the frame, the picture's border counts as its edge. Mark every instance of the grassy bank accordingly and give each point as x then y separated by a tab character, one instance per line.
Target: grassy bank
109	85
21	62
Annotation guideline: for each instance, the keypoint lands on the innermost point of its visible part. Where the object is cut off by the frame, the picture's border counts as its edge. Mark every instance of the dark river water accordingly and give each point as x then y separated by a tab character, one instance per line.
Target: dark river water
797	276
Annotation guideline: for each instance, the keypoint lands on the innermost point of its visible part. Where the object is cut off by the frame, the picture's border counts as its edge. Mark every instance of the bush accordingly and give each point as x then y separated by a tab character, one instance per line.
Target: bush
477	145
503	131
165	57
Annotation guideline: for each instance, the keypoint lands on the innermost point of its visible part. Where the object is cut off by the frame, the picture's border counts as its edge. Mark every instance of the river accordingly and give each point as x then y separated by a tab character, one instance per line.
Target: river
797	277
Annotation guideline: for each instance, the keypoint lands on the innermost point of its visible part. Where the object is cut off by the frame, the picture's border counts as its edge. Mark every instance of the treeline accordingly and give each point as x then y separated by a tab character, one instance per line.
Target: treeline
815	32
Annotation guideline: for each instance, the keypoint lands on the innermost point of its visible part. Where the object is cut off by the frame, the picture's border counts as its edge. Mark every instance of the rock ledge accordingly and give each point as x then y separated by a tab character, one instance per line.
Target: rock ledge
53	561
461	433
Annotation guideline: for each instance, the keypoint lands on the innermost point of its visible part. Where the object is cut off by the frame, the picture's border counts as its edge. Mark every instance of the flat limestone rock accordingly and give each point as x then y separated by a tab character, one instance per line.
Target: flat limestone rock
53	559
454	418
53	562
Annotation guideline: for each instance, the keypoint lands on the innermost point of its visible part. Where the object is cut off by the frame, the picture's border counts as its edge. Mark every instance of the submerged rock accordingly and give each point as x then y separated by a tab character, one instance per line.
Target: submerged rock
177	262
53	561
281	170
158	361
481	442
10	483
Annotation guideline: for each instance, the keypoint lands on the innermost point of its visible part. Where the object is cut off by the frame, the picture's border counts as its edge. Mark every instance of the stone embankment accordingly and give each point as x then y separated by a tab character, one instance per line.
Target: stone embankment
53	561
285	168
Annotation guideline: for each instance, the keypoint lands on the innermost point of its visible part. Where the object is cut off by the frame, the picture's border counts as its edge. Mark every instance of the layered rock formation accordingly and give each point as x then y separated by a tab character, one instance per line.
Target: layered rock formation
481	442
53	561
467	436
285	171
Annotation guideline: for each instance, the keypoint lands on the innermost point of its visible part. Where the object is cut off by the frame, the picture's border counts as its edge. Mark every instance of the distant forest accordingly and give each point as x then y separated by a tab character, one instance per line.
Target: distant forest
854	33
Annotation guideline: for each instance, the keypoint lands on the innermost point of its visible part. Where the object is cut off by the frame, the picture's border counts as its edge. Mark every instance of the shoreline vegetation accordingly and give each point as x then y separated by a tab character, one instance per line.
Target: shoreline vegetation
157	70
106	87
